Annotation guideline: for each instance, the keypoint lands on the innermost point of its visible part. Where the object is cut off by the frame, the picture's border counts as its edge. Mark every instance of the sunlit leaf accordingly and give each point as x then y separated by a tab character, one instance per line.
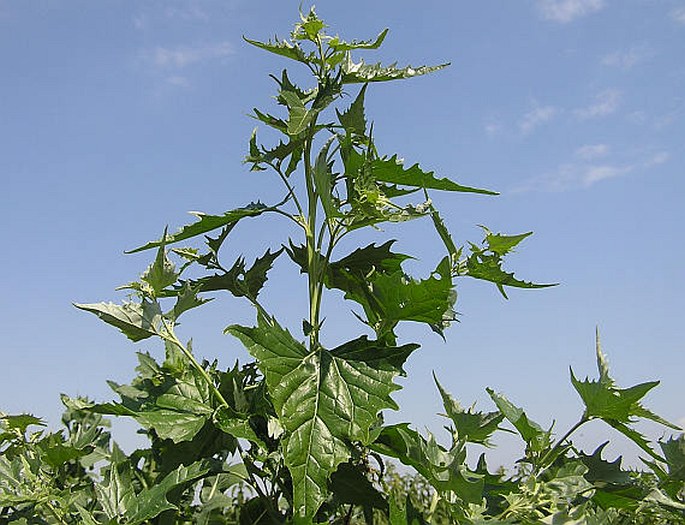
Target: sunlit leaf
137	321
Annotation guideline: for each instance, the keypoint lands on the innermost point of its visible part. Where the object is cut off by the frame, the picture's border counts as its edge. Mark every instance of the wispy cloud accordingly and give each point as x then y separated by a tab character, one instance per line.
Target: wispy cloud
592	151
587	172
678	15
191	11
183	56
627	59
536	117
605	103
565	11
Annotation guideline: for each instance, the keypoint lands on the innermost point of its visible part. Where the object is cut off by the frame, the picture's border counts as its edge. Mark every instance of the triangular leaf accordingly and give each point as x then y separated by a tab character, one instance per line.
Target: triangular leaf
324	399
137	321
363	72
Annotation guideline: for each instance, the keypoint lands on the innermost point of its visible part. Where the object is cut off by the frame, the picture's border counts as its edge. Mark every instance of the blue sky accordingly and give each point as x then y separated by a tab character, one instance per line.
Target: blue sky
116	118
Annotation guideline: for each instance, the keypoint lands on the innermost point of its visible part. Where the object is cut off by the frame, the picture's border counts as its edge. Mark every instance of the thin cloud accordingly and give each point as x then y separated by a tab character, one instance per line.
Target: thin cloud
606	103
585	174
592	151
184	56
678	15
536	117
565	11
628	59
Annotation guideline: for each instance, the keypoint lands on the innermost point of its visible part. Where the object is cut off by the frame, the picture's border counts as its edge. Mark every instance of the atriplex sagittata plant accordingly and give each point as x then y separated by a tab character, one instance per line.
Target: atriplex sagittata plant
297	434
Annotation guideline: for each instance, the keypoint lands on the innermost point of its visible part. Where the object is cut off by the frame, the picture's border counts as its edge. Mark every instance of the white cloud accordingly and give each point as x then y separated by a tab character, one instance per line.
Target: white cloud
183	56
592	151
590	175
626	59
565	11
536	117
187	12
178	81
605	103
678	15
585	173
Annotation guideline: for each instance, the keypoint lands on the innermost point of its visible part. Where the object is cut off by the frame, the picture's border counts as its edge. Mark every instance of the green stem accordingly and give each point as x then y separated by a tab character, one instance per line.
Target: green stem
171	337
551	453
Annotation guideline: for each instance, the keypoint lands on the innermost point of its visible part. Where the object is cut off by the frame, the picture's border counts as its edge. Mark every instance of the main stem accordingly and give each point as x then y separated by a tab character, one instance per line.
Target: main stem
310	233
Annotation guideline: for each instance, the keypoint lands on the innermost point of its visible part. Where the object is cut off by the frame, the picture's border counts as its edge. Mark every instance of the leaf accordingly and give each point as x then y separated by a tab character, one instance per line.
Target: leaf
354	120
470	426
207	223
282	48
445	470
533	434
151	502
187	299
137	321
324	182
162	272
300	116
350	485
602	472
392	170
488	267
363	72
324	399
615	406
21	422
502	244
239	281
339	45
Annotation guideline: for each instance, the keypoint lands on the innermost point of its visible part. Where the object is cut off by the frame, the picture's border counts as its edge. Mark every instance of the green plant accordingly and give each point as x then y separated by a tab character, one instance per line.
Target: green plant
297	435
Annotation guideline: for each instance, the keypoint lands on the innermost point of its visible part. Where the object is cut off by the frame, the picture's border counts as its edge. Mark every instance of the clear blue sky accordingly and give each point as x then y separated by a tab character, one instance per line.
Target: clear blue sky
116	118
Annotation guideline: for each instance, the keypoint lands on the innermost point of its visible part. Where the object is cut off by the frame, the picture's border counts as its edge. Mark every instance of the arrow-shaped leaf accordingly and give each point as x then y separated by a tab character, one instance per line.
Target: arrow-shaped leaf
324	399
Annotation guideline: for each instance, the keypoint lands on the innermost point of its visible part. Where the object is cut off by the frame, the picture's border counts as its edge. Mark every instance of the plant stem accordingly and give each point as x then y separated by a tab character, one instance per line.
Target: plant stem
560	442
171	337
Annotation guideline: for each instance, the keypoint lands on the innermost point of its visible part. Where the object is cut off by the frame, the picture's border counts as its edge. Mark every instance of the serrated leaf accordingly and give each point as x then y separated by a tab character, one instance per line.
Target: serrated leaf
354	120
502	244
151	502
207	223
238	280
137	321
616	406
238	427
444	469
488	267
470	426
162	272
299	116
350	485
323	181
392	170
282	48
363	72
601	471
533	434
187	299
339	45
21	422
323	398
674	454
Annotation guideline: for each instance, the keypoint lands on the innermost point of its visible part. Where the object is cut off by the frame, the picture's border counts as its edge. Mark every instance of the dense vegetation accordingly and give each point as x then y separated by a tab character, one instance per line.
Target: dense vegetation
297	434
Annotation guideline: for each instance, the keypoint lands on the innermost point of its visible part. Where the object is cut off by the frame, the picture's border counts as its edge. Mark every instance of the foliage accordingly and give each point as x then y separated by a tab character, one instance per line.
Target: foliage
297	434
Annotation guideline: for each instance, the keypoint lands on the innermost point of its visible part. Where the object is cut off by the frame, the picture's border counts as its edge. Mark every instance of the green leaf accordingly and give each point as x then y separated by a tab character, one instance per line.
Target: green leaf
502	244
602	472
21	422
674	454
392	170
363	72
239	281
162	272
299	117
151	502
323	181
187	299
470	426
445	470
339	45
615	406
137	321
533	434
350	485
354	120
282	48
324	399
207	223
